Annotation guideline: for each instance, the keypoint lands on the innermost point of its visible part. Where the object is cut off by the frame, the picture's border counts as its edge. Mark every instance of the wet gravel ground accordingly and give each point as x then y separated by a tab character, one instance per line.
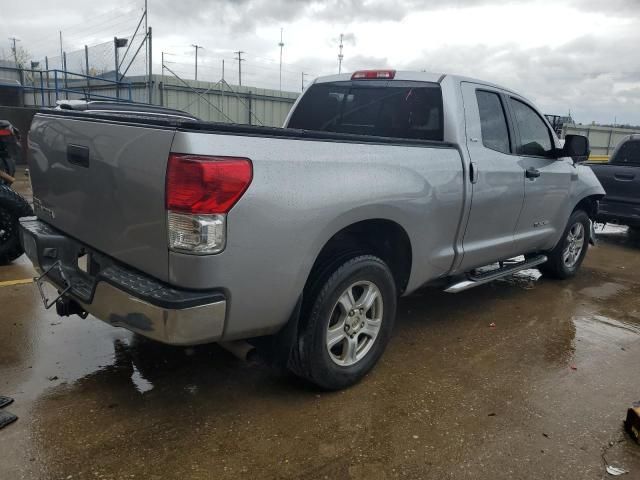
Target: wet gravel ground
542	394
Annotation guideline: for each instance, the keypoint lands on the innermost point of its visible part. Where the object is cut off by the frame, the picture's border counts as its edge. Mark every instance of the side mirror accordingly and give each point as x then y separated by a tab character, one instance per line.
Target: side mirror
576	147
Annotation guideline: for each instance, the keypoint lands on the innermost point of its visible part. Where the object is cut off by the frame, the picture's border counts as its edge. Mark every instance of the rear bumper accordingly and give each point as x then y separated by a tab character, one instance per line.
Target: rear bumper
122	296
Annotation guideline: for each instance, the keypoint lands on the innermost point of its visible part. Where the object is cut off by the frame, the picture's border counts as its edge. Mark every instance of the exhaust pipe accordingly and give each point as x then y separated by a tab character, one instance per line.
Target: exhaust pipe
240	349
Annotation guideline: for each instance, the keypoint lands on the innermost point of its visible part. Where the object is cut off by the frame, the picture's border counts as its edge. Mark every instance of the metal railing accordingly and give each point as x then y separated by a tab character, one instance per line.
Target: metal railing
58	84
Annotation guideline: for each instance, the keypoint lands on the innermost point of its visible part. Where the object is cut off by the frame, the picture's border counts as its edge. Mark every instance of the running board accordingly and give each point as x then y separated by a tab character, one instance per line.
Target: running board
476	280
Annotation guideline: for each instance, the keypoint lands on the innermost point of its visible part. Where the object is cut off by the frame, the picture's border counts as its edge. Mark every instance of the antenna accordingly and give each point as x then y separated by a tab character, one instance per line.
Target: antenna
281	45
340	55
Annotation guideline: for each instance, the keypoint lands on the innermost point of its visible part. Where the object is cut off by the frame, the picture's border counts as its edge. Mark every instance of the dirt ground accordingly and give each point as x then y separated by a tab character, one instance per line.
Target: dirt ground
541	395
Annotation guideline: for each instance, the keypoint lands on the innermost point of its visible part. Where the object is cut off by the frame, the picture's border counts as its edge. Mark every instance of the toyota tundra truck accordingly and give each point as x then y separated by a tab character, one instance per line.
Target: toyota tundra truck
301	239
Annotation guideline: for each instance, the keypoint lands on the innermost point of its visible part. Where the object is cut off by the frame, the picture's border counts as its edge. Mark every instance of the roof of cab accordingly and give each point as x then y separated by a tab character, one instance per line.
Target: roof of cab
415	76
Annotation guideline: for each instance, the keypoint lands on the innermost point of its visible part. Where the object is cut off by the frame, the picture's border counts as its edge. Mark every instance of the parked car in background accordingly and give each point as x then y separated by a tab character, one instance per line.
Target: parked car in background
301	238
620	177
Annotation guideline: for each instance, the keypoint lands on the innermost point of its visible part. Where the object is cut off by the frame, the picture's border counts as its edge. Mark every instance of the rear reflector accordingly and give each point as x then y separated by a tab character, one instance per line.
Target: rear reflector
374	74
199	184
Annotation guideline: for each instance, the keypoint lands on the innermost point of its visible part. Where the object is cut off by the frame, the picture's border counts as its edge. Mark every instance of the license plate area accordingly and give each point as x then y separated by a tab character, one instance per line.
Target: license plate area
47	290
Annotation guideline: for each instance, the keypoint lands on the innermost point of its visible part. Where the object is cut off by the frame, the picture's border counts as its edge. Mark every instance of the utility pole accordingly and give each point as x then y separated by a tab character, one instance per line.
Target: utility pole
197	47
302	78
150	64
60	31
240	60
340	55
281	45
14	49
147	52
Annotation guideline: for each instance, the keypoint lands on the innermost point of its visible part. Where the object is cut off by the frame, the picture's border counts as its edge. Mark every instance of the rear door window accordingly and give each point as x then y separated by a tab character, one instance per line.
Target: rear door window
535	137
493	122
629	154
411	110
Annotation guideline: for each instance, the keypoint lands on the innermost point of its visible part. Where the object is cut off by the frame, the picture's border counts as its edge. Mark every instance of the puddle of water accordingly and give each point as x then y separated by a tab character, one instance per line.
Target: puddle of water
602	329
603	291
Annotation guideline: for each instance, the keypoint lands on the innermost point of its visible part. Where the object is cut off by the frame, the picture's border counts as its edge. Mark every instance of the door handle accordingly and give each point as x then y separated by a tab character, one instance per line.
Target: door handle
473	172
624	176
532	172
78	155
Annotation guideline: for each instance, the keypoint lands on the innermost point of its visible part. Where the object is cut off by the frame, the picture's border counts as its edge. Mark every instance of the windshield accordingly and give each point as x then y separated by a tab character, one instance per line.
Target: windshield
403	109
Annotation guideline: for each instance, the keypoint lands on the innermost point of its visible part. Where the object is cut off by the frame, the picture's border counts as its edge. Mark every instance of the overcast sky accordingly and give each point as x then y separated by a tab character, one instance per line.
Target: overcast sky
577	55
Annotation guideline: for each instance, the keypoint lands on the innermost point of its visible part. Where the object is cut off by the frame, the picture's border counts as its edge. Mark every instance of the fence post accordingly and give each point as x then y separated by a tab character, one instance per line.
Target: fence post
64	67
150	65
115	49
33	85
41	90
55	82
86	68
46	66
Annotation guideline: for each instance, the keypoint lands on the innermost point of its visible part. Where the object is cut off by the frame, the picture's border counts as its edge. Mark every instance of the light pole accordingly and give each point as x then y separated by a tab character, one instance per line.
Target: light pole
340	56
281	45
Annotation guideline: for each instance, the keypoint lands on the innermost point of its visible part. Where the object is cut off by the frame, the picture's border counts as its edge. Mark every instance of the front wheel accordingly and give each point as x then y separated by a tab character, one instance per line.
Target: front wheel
567	256
347	321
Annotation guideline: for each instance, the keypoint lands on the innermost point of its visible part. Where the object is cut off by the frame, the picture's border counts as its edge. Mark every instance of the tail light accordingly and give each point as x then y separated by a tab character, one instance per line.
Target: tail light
200	190
5	132
374	75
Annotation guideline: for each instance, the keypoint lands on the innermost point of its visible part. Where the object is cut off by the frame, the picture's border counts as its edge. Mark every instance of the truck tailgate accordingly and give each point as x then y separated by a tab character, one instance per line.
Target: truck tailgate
103	183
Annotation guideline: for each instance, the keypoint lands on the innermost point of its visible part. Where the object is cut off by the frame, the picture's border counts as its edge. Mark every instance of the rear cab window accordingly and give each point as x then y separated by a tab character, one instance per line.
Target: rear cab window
400	109
628	154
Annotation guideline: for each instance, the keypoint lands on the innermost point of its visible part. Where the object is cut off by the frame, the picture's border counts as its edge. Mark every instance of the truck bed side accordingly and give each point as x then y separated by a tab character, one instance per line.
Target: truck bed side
306	187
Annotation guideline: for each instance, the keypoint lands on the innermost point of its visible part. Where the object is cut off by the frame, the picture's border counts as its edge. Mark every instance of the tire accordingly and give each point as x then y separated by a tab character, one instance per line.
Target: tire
12	207
8	165
634	234
359	339
561	263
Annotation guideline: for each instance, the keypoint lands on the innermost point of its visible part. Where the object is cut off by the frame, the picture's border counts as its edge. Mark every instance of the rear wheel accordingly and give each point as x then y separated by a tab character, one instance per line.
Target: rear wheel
567	256
348	318
12	207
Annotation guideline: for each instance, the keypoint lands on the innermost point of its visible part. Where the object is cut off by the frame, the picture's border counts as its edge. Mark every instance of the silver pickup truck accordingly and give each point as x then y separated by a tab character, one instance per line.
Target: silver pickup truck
301	239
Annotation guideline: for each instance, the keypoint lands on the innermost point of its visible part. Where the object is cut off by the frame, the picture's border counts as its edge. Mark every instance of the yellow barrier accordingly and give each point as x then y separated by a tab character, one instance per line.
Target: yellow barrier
599	158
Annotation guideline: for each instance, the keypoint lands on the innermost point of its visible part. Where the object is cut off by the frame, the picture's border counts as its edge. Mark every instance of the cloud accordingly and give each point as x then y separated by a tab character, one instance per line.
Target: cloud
582	55
595	78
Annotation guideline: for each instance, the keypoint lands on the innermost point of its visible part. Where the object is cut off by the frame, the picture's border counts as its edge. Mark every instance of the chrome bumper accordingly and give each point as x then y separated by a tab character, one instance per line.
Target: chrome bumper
187	326
123	297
